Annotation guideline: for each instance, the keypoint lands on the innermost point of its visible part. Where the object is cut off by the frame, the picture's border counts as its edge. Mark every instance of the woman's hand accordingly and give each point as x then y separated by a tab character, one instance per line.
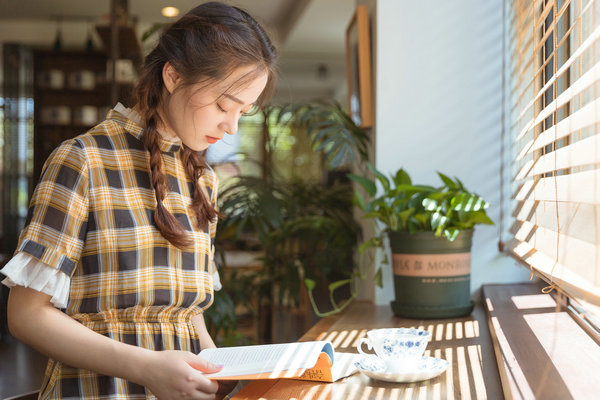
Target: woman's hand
173	374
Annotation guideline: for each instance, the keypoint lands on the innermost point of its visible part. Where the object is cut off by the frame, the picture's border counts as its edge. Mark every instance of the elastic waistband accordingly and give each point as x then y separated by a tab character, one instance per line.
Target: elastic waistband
153	314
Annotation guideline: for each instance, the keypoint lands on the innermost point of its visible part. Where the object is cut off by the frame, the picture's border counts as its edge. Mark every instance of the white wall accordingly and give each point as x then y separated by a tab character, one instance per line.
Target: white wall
438	78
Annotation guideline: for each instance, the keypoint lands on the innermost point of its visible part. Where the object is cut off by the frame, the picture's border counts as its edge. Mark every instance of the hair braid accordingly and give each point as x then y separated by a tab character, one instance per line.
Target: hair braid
201	206
149	95
167	224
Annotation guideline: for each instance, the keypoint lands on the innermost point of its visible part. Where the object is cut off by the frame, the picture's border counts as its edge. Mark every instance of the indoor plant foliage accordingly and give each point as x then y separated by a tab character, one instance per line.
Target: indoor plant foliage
331	131
430	230
404	206
305	227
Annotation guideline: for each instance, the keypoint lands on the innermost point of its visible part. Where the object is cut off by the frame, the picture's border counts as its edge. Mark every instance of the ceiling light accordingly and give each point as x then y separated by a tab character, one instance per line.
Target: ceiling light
170	12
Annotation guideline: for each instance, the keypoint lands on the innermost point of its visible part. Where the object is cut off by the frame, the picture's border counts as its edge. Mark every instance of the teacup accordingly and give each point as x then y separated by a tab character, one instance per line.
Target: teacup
399	348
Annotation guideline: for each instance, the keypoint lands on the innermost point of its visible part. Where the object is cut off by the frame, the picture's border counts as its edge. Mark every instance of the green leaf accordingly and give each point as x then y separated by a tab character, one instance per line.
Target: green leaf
318	134
478	217
335	160
459	201
381	177
412	228
373	242
430	204
393	221
404	215
337	284
447	181
438	221
402	178
451	233
374	214
310	284
359	200
366	183
378	278
422	219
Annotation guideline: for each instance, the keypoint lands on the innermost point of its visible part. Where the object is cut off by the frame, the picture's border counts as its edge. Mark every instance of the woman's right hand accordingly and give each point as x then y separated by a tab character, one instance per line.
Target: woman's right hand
174	374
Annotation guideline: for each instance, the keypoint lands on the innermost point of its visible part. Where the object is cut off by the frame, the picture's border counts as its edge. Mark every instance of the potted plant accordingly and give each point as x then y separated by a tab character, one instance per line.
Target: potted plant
430	231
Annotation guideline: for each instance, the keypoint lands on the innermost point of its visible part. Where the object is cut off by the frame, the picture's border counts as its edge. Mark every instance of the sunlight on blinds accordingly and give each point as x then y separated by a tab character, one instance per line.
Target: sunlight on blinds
554	50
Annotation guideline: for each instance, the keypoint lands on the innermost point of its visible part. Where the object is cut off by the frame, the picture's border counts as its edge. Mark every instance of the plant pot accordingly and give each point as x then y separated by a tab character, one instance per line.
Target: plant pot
432	276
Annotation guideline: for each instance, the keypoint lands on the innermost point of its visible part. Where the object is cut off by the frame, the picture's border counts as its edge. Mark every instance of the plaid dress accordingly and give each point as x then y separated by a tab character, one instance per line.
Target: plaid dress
91	217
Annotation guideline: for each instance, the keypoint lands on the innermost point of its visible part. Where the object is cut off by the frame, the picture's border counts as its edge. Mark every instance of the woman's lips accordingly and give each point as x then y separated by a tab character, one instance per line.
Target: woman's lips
212	140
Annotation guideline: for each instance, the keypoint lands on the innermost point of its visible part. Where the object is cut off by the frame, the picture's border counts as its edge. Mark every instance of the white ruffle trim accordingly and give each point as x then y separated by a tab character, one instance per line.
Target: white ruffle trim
216	279
26	270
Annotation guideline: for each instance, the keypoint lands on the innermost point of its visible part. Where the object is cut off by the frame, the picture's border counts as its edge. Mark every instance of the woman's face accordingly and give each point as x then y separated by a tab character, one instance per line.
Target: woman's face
201	115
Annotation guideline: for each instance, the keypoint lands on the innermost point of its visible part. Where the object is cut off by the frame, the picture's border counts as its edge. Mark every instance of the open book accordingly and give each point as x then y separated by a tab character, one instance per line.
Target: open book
315	361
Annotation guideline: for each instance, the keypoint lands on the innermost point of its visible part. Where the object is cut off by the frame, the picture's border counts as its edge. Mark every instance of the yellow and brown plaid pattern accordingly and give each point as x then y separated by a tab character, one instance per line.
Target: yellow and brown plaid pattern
91	217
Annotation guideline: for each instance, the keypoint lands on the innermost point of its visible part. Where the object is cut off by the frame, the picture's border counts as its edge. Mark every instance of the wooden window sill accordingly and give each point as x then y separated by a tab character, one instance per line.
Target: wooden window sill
542	353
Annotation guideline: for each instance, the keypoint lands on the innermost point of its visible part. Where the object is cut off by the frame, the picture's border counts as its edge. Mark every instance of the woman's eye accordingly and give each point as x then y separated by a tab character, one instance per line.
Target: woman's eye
249	111
220	108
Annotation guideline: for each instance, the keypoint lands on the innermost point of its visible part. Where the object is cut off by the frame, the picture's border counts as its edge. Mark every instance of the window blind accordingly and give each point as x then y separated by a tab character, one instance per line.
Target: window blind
554	131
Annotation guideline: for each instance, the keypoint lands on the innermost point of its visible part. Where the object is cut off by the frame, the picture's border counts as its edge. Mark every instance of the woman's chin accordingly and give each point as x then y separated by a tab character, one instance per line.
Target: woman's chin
198	147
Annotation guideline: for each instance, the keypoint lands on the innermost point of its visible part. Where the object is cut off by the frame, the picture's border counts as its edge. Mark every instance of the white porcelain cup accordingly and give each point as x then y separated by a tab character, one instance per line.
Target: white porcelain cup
400	348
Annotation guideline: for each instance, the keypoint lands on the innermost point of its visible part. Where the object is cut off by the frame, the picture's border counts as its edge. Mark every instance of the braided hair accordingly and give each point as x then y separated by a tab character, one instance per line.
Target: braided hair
204	46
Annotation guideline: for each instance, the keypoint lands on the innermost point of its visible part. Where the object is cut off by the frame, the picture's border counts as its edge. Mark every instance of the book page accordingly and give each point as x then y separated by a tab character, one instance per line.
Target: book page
269	358
344	365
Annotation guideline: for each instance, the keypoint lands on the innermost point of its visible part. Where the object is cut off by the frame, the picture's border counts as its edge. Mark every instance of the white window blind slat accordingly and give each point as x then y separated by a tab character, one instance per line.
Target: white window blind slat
578	220
580	187
572	283
554	245
581	153
580	119
526	129
561	249
586	80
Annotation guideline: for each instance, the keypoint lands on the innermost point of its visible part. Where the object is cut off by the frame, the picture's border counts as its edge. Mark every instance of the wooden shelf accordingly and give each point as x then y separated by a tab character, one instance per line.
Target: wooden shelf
47	136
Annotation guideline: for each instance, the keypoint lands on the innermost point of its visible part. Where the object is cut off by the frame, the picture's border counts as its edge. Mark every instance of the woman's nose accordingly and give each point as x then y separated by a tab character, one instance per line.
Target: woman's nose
230	126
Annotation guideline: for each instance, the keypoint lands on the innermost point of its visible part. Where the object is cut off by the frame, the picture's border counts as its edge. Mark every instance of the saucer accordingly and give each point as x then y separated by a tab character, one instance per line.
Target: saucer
426	368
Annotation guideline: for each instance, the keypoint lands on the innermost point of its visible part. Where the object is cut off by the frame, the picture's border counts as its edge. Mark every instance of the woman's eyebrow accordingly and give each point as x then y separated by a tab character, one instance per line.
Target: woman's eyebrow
233	98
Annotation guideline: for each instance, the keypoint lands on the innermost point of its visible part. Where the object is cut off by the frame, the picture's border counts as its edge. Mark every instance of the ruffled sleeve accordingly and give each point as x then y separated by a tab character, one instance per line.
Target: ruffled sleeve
216	279
26	270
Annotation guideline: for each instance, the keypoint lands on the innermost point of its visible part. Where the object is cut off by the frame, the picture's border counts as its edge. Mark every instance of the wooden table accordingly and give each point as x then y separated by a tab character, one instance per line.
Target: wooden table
465	342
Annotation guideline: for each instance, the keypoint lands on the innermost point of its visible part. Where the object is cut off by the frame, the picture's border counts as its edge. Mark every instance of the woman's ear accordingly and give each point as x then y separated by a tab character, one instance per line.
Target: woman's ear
170	77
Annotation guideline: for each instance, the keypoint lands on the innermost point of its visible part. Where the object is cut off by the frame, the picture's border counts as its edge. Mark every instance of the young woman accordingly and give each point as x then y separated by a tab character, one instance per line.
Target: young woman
115	263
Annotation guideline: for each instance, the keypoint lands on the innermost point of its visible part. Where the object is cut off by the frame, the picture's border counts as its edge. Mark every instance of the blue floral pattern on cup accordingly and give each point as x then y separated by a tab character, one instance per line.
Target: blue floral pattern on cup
395	343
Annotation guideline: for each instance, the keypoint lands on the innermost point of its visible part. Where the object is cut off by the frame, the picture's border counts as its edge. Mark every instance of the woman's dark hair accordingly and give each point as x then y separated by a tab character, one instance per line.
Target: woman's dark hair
205	45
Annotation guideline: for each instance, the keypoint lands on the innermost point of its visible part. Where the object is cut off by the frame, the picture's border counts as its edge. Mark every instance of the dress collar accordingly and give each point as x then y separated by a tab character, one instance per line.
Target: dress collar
131	121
